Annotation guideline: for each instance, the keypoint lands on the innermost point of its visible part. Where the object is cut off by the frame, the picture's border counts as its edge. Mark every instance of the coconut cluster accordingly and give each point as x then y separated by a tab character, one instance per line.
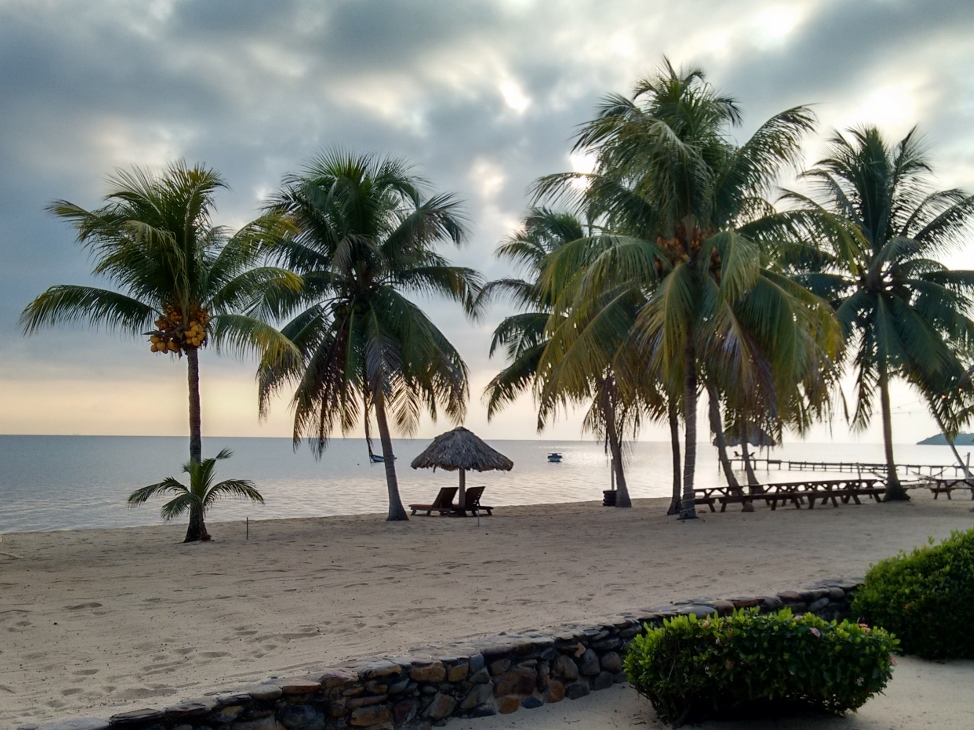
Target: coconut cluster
172	334
680	248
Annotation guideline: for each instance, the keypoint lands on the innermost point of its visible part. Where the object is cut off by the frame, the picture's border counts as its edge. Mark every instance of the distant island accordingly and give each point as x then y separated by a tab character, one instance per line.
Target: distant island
963	439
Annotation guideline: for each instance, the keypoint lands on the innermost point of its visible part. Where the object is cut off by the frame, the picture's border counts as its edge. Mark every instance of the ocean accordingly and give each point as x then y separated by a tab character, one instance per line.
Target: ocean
79	482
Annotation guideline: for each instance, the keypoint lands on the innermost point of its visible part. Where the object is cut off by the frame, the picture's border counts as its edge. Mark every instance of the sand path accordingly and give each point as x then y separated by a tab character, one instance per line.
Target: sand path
96	622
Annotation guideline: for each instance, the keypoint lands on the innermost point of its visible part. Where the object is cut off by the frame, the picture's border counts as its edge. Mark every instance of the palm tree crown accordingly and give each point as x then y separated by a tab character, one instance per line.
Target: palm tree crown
685	211
365	235
200	495
540	351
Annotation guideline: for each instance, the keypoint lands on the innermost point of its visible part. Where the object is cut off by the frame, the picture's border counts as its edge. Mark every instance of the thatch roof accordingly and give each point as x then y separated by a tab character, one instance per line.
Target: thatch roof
461	449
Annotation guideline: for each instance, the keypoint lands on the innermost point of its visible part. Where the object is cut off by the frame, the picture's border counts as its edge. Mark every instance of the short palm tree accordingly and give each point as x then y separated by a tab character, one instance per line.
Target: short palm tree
199	496
524	335
179	280
365	236
880	228
684	206
540	352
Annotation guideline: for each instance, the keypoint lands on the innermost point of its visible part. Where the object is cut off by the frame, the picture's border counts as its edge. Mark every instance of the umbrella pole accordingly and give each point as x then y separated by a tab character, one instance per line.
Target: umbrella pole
463	491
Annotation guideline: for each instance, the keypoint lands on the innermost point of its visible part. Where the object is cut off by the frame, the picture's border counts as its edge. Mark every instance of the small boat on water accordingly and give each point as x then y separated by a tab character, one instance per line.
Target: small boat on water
379	458
554	457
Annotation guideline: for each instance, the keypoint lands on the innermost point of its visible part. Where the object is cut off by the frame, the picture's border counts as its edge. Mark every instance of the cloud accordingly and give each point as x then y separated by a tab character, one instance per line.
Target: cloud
482	96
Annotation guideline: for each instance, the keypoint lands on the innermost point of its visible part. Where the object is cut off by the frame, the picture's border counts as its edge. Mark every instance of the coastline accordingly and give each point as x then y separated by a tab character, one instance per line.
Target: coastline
103	621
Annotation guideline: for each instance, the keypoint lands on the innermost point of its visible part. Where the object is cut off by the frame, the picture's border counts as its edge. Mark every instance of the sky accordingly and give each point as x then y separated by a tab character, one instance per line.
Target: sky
481	96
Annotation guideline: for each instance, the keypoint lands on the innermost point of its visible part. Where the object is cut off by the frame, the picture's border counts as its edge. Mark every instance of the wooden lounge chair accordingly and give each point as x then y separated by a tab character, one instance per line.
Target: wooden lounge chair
473	505
442	504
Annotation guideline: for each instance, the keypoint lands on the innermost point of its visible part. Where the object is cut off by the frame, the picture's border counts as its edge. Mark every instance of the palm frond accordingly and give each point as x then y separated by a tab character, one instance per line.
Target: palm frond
69	304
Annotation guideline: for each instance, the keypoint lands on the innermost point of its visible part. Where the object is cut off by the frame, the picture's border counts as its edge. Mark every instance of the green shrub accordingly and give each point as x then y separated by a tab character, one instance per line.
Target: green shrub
748	664
925	597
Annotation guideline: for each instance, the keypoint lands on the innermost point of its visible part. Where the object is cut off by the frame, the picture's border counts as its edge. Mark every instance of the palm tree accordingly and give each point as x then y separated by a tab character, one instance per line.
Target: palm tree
199	496
685	209
524	335
540	354
365	235
175	274
880	228
586	361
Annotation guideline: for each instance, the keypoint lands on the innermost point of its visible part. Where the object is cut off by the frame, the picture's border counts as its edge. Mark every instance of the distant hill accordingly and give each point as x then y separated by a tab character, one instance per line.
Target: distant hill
963	439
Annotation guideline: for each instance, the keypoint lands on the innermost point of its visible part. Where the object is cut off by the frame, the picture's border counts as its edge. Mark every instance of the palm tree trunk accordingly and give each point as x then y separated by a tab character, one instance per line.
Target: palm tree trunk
196	531
687	509
396	510
718	428
894	490
195	417
951	444
963	465
675	447
622	487
753	482
615	449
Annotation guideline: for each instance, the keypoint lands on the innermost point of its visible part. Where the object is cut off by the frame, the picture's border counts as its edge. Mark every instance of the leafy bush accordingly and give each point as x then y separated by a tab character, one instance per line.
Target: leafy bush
746	664
925	597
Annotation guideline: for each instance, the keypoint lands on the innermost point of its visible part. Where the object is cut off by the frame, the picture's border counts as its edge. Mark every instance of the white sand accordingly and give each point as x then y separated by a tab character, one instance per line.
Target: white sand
97	622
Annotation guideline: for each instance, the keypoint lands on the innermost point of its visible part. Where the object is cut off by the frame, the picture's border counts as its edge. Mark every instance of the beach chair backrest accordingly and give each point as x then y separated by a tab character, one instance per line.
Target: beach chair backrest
473	496
445	497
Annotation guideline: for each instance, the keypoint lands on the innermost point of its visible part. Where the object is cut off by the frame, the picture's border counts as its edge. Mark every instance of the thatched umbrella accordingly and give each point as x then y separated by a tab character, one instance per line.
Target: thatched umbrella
461	449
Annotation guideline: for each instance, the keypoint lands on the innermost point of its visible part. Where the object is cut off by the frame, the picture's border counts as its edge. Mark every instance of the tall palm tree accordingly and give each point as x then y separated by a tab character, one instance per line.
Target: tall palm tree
365	235
178	278
199	496
880	227
685	206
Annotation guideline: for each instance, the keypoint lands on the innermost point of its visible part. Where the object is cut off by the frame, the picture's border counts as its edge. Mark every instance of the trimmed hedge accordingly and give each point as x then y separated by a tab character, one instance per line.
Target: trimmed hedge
749	664
925	597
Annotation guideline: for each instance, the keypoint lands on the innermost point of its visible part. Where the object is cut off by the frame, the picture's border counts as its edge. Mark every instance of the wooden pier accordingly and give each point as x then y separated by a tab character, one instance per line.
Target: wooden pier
850	467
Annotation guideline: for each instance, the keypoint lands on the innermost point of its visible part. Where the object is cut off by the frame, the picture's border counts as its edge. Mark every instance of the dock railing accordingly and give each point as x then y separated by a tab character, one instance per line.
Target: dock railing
850	467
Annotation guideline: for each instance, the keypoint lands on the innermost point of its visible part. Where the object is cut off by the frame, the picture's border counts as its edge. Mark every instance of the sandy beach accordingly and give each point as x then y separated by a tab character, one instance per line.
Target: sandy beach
97	622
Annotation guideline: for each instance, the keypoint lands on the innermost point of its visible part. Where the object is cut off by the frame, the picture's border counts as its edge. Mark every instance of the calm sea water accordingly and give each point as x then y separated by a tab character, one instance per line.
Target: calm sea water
74	482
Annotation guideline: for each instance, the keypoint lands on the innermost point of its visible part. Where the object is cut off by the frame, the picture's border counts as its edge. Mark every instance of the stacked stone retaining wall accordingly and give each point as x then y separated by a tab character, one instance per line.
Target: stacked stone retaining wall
475	678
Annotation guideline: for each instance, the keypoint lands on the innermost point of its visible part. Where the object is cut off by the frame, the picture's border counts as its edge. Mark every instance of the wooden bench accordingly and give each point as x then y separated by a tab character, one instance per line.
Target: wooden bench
710	495
945	486
795	492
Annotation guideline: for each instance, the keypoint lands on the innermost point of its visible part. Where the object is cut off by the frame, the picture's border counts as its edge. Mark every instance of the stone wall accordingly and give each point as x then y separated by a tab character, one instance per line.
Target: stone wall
477	678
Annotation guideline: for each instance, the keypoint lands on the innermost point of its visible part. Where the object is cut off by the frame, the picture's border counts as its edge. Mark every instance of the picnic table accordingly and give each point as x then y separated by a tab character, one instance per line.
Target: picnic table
795	492
942	485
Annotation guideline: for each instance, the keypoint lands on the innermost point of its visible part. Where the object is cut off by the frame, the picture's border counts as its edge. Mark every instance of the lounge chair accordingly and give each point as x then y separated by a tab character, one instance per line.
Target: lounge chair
442	504
473	505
